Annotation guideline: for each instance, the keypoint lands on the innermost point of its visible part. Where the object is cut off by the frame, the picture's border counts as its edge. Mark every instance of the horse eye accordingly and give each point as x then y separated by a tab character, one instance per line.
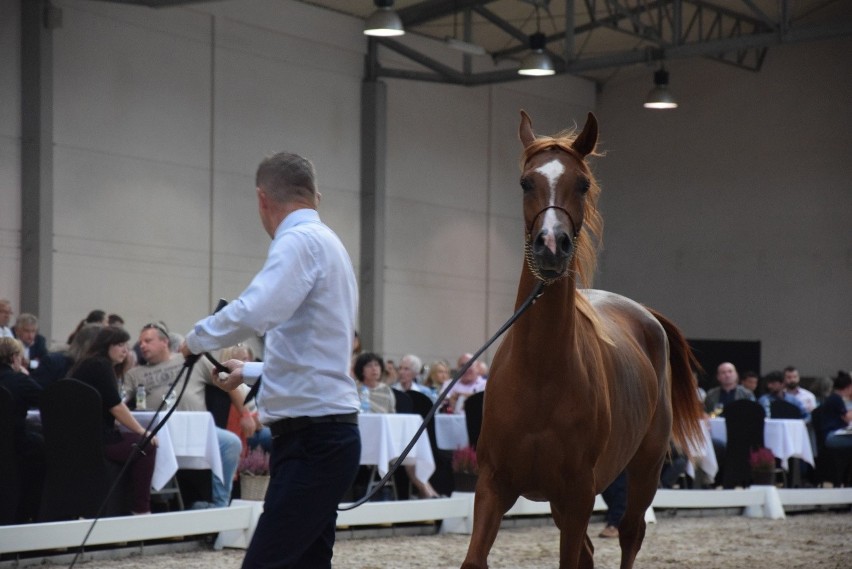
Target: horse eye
526	184
583	185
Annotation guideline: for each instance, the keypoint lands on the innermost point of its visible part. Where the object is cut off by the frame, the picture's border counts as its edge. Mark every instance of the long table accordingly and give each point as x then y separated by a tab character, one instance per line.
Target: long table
385	436
187	440
451	431
786	438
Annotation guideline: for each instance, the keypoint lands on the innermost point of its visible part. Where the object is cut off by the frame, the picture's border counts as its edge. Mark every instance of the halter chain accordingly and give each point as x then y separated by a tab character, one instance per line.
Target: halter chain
528	252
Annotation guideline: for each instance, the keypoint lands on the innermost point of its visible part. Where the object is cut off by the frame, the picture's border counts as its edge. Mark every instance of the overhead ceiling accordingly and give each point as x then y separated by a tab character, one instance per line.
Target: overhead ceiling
602	35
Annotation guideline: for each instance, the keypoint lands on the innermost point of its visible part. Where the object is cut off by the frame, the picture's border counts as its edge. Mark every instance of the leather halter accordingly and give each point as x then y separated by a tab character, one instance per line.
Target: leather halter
530	256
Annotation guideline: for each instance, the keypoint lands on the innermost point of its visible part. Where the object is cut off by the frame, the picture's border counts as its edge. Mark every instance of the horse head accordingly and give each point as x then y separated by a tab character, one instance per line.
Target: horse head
555	181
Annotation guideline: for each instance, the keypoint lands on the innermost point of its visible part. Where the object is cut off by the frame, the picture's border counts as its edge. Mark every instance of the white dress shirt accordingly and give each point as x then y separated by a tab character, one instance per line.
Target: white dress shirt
305	301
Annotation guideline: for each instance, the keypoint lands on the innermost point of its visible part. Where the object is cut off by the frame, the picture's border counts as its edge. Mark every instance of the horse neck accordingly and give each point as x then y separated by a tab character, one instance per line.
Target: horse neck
553	314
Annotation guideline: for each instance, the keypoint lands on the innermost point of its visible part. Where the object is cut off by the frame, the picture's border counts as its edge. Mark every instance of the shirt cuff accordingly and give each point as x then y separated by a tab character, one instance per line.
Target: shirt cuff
251	371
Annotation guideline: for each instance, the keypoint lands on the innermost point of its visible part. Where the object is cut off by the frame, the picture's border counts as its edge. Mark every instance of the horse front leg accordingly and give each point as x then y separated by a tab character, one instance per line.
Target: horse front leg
571	514
490	504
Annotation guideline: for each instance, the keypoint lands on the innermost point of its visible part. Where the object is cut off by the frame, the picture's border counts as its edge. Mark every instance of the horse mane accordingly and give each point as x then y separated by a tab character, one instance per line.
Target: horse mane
590	239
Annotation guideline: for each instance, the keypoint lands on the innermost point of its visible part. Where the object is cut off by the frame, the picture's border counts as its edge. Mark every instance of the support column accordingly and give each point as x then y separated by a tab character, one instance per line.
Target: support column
373	192
38	19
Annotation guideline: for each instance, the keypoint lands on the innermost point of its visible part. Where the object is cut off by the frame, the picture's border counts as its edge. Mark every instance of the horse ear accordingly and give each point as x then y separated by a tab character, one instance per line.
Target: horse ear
525	131
584	144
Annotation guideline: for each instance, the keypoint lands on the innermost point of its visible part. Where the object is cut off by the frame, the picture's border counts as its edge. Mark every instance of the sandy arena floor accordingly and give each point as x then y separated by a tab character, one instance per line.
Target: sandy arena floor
805	540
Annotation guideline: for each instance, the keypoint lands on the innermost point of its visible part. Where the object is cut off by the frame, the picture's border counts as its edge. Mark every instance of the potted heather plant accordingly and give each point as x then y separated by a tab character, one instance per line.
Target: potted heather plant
465	469
254	474
762	463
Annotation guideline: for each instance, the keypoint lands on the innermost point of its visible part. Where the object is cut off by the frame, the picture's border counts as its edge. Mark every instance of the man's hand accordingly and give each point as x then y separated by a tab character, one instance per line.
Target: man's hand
229	382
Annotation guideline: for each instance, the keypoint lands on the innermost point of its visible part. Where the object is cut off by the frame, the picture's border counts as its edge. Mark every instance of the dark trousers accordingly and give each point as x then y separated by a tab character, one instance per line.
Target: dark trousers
615	497
141	469
311	469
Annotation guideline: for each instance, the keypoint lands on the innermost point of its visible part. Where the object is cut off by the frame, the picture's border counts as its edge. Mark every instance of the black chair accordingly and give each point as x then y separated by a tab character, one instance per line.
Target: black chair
9	476
219	404
780	409
442	478
833	465
473	416
78	475
403	402
744	420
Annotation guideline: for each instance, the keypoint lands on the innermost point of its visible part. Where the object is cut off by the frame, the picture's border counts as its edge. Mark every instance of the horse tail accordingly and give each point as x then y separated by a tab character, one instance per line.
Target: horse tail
686	406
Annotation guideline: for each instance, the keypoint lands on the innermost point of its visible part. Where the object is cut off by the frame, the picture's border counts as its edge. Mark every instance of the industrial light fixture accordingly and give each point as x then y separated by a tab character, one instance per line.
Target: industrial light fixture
537	63
660	97
384	22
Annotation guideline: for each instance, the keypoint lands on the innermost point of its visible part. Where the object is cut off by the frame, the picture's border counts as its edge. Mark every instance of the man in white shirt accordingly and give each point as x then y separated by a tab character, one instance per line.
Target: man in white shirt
304	300
791	383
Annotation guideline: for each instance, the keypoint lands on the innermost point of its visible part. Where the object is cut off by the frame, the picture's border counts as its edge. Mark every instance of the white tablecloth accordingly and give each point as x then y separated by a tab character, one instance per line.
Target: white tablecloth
451	431
188	440
784	437
704	456
385	436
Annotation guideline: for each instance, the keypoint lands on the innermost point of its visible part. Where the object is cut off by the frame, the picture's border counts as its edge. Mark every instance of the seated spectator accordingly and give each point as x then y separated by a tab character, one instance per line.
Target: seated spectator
115	321
97	368
836	417
60	363
791	381
391	373
439	374
29	444
94	317
243	420
368	372
775	392
157	376
728	390
468	384
750	380
35	346
409	368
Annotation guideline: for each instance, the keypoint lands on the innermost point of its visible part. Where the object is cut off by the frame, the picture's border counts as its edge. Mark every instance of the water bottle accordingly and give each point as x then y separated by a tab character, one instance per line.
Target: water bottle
122	392
766	408
141	402
364	394
170	399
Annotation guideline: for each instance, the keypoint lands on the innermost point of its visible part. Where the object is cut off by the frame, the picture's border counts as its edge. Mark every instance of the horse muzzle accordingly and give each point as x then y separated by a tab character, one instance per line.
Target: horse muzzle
552	251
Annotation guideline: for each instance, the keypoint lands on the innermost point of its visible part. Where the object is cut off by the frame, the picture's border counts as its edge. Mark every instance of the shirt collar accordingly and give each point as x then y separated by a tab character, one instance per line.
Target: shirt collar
304	215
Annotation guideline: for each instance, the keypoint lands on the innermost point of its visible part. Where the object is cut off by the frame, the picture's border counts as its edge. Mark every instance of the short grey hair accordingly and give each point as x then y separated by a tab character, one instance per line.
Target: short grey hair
285	176
26	319
416	363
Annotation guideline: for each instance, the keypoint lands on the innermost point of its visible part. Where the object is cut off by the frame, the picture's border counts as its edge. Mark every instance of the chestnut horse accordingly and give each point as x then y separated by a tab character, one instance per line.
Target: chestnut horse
587	383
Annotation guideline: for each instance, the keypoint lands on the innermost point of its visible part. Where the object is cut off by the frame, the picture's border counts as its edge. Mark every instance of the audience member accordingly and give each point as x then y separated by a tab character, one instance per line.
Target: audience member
835	416
468	384
775	392
482	369
791	381
750	380
439	374
35	346
368	371
60	363
243	420
5	317
727	391
97	368
94	317
391	375
115	320
159	373
29	444
409	368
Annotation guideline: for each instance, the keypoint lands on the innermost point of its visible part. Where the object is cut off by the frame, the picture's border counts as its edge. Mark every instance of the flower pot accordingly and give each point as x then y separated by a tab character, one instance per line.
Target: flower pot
465	481
762	477
253	487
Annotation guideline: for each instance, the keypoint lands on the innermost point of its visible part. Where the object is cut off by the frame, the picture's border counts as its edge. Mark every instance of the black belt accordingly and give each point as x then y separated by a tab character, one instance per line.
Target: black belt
284	426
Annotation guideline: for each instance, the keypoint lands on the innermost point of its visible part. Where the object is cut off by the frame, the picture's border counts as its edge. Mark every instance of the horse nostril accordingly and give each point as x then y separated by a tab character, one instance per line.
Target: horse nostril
563	241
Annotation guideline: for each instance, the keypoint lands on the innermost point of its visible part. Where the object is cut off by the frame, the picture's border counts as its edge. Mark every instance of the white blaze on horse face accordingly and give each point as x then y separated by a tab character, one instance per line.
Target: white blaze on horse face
552	171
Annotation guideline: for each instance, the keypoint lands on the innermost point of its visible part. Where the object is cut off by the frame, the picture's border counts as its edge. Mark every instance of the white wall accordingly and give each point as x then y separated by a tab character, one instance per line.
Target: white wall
729	214
732	213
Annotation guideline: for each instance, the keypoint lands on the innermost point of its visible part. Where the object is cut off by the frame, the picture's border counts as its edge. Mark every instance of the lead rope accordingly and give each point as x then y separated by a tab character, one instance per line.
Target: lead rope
537	291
